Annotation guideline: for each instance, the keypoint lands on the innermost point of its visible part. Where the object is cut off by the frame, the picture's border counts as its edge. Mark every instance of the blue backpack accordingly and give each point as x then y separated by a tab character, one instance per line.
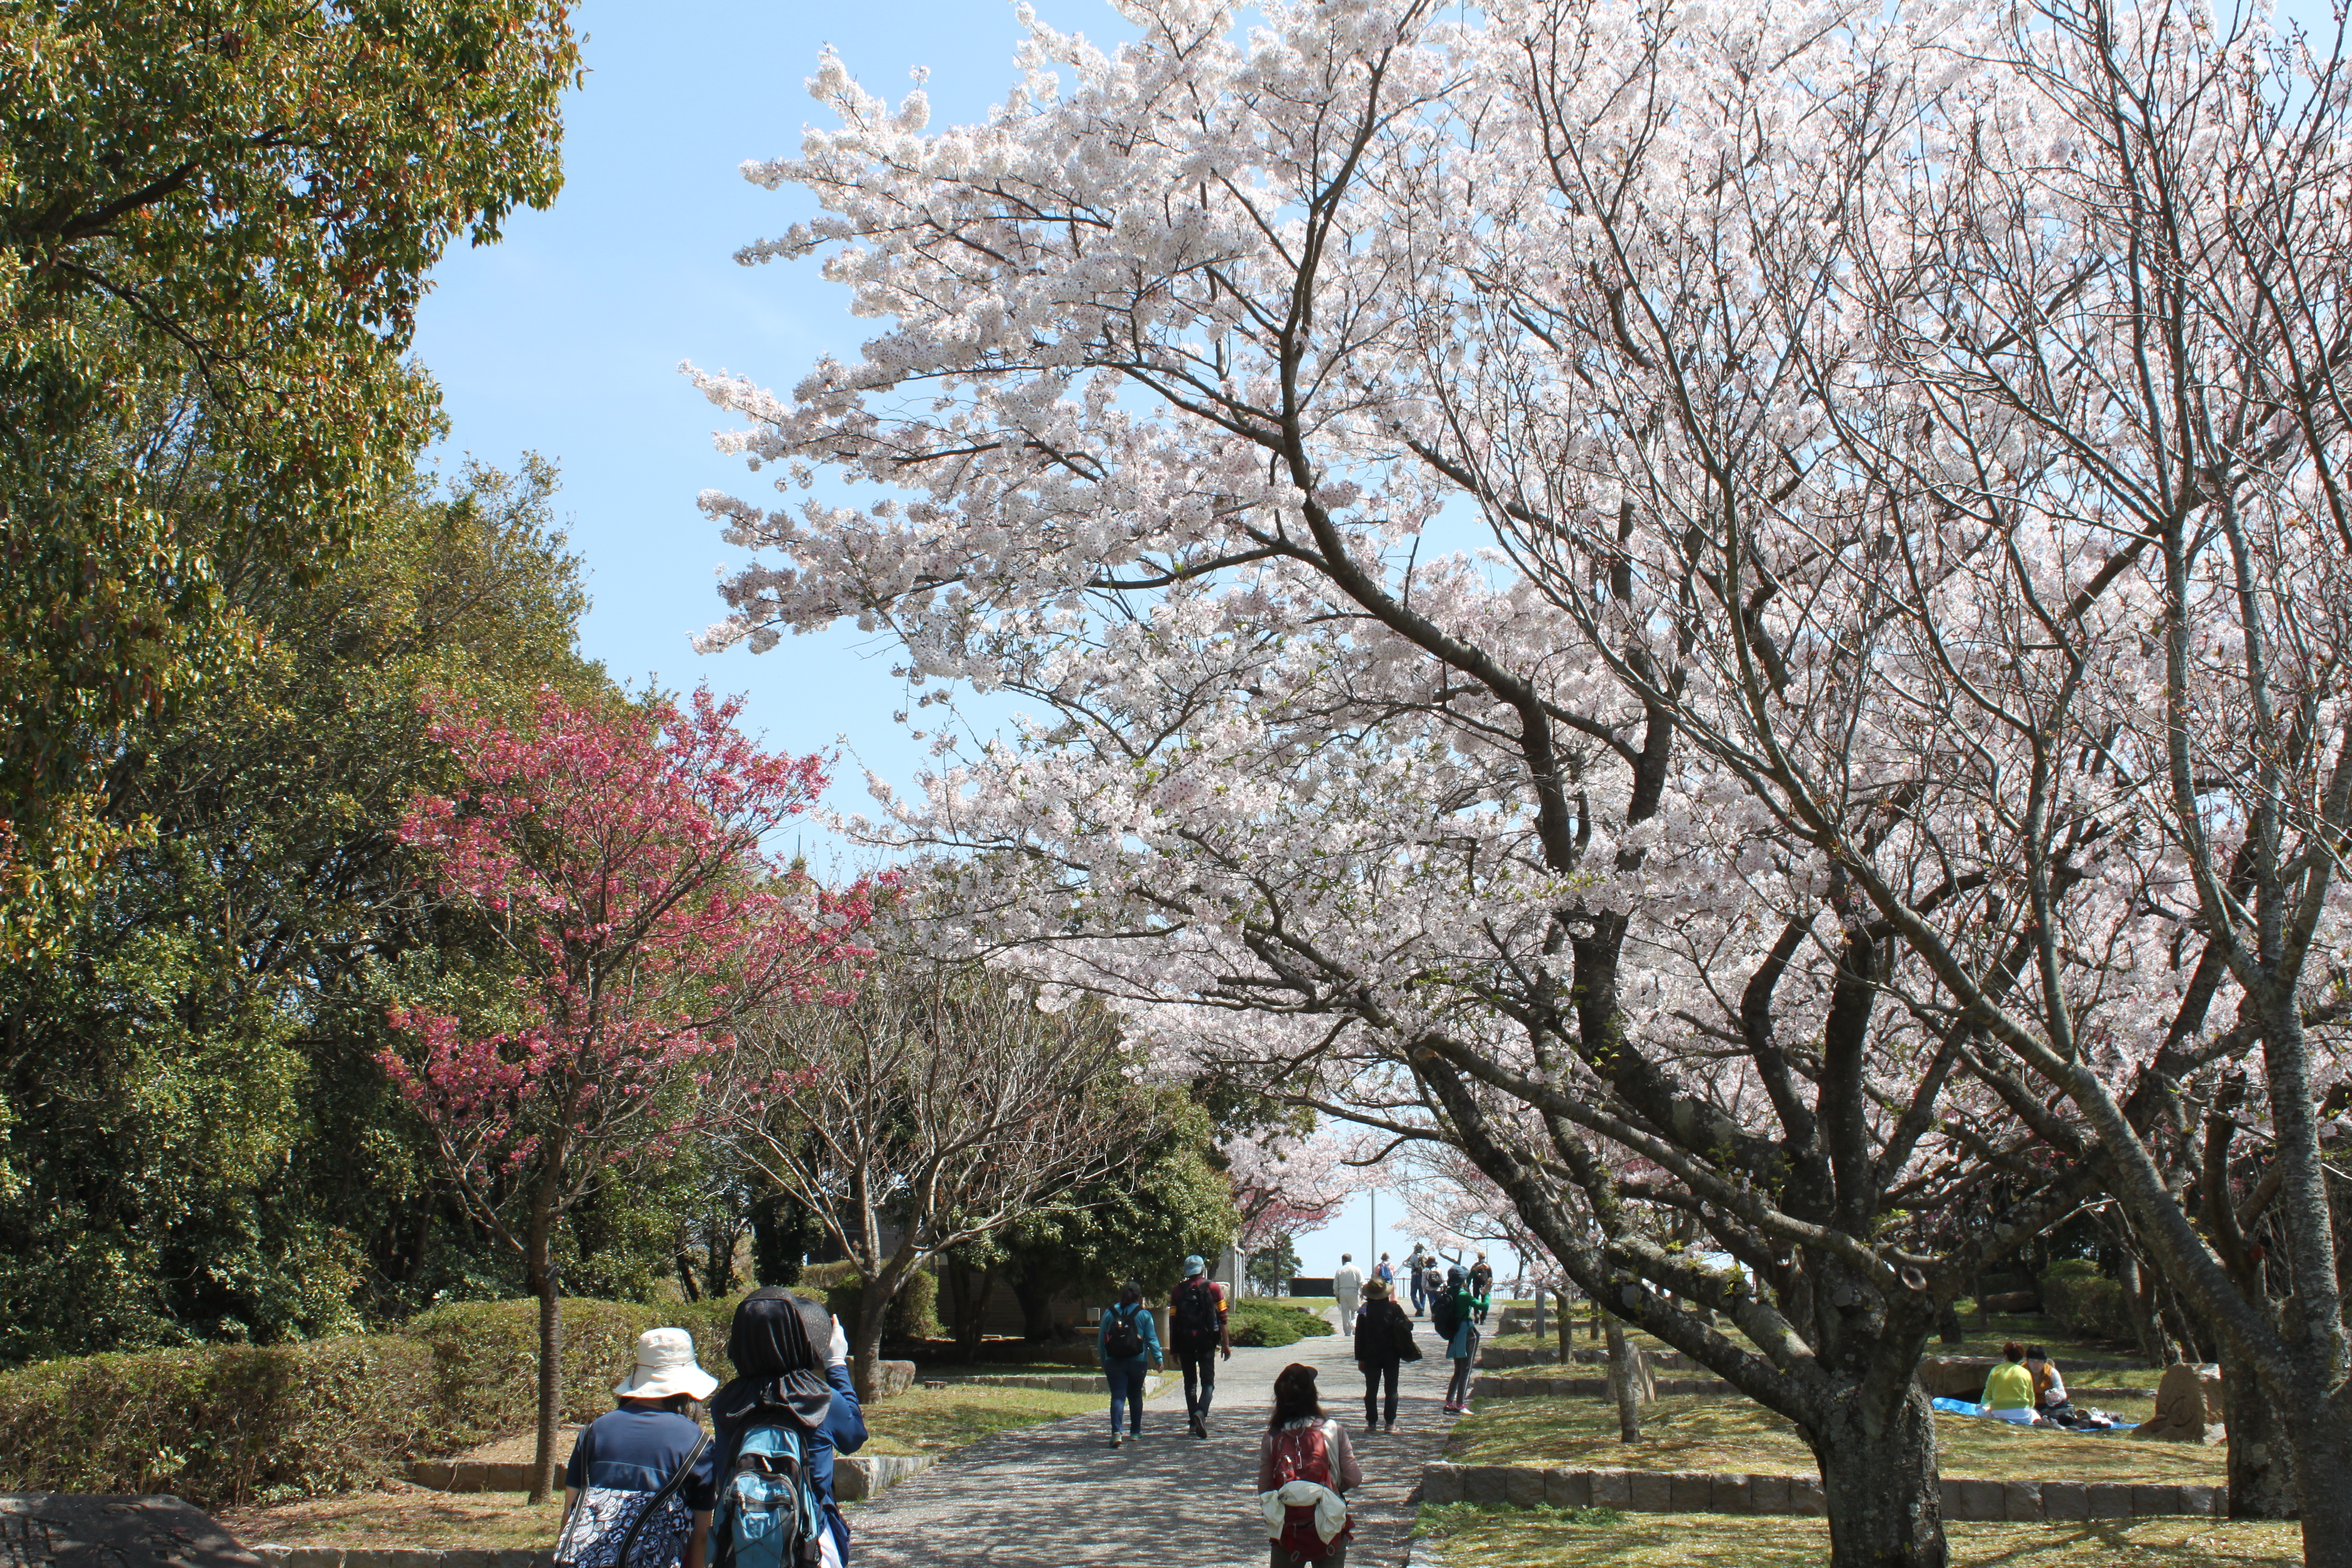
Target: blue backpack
768	1514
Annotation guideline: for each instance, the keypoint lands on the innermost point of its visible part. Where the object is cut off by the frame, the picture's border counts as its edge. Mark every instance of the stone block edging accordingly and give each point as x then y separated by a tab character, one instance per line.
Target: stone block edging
1691	1492
859	1477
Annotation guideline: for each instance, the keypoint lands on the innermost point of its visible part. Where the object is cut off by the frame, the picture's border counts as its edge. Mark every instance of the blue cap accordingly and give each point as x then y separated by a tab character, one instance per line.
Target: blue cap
1193	1265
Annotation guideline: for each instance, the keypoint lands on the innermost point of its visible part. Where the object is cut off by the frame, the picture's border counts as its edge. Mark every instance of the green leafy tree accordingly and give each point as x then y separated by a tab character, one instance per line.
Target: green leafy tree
1137	1221
195	1141
216	217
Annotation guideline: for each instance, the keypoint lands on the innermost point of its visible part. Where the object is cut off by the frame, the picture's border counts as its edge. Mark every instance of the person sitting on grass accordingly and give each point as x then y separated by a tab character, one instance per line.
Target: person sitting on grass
2008	1387
2050	1401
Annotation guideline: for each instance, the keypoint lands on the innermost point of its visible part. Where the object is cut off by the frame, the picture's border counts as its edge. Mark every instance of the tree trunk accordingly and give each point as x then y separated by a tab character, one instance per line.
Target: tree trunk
2321	1442
547	1287
2262	1467
1948	1328
685	1277
1620	1380
1879	1477
866	1343
1037	1311
1567	1330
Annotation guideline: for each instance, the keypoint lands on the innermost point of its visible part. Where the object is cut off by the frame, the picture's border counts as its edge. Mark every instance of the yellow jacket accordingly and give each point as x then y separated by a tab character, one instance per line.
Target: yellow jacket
2008	1387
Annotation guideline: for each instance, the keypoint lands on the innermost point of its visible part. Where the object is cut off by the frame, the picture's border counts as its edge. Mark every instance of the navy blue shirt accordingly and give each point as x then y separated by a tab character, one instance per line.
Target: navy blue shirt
639	1451
842	1431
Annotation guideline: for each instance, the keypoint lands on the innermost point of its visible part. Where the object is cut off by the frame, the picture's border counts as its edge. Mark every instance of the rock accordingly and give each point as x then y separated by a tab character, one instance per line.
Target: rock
2011	1301
1953	1377
2188	1407
892	1378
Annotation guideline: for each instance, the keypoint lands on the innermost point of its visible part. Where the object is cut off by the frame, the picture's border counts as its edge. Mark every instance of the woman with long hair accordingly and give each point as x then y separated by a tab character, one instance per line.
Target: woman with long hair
1383	1343
1305	1468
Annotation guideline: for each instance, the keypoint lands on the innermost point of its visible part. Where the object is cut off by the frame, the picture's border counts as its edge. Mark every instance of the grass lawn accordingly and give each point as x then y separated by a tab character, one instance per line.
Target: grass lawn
402	1515
935	1420
1475	1537
1711	1432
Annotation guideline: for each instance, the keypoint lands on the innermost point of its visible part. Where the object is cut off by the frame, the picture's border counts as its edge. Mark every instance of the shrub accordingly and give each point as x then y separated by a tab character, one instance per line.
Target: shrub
1256	1320
224	1425
914	1315
2085	1302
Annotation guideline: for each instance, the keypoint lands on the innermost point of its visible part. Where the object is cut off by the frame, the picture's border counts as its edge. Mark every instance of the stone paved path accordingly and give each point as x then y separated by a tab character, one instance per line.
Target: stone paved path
1058	1494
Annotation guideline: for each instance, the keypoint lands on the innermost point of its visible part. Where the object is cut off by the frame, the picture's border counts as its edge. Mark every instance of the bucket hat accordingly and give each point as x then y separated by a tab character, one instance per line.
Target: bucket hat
666	1366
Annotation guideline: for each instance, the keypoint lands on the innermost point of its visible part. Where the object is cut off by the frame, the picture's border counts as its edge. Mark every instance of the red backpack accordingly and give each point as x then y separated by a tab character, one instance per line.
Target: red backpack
1302	1452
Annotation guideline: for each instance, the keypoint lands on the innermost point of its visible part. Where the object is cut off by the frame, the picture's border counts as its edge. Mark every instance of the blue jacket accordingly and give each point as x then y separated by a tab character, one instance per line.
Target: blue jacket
843	1431
1144	1320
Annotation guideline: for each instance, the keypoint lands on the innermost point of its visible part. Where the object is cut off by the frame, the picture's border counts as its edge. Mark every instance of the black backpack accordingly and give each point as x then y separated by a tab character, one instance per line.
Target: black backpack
1445	1314
1193	1321
1122	1341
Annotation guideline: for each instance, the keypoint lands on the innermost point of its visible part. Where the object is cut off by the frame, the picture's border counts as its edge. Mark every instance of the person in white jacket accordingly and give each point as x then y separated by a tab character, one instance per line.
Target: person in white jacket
1348	1285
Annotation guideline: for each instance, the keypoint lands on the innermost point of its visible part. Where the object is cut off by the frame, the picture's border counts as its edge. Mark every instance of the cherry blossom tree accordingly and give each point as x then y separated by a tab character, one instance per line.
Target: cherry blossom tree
617	856
1285	1184
1194	368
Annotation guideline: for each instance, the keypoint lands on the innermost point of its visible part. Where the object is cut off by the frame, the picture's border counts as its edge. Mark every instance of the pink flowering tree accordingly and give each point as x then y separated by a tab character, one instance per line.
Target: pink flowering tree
617	852
1756	839
1285	1184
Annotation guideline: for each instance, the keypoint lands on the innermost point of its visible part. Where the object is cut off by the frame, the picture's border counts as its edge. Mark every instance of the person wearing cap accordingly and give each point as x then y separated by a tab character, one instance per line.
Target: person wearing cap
1198	1330
1481	1287
639	1447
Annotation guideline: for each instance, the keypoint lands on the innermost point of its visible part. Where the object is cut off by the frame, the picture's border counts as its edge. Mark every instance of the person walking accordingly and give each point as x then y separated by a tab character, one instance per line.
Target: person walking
1385	1272
641	1476
1348	1288
1416	1267
1481	1287
1128	1337
1196	1324
790	1407
1383	1344
1450	1315
1304	1470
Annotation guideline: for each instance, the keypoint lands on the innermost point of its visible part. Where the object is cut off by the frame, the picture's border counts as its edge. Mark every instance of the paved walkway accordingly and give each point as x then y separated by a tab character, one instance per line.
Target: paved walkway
1048	1496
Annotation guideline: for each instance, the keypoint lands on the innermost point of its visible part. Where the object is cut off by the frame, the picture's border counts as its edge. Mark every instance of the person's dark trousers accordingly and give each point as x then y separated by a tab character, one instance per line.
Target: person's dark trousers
1199	1383
1126	1379
1420	1297
1374	1377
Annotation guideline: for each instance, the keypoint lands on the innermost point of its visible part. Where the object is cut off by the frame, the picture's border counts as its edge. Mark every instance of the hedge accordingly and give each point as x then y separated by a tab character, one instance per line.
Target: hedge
221	1425
1256	1321
914	1314
2085	1302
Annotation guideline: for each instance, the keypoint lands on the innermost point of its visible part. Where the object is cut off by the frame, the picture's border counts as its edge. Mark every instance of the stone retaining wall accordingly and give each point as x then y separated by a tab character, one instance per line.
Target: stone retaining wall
1689	1492
859	1477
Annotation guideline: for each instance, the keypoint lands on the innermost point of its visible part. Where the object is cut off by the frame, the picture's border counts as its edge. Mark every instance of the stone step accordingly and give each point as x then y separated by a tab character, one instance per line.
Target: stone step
1689	1492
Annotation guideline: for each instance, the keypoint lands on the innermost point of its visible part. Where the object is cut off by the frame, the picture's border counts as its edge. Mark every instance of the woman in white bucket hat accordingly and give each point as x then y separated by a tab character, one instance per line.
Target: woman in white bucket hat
641	1476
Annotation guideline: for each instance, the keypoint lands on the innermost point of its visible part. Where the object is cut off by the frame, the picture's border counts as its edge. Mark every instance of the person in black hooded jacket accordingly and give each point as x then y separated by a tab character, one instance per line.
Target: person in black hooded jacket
791	1363
1383	1335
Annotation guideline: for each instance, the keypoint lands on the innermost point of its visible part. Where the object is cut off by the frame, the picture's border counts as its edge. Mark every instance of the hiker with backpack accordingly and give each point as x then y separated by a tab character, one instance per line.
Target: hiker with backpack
1450	1314
1196	1324
1304	1470
637	1488
1383	1344
789	1410
1417	1265
1481	1287
1127	1337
